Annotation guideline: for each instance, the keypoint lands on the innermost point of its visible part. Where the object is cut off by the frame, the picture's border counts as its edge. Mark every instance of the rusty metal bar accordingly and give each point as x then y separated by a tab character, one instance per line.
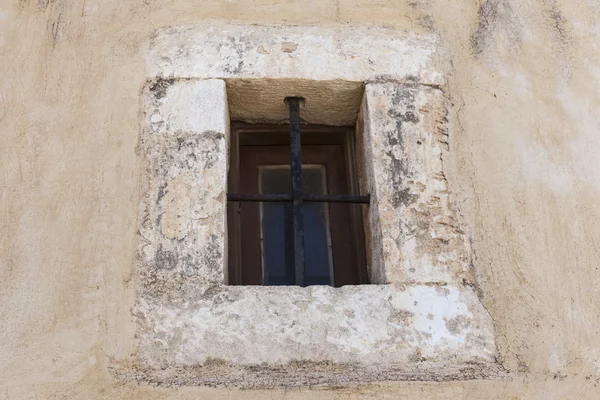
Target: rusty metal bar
307	198
296	180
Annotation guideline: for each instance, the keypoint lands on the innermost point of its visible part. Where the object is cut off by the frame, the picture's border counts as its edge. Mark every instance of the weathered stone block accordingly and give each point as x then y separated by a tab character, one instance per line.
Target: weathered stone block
413	233
182	237
393	327
218	50
174	106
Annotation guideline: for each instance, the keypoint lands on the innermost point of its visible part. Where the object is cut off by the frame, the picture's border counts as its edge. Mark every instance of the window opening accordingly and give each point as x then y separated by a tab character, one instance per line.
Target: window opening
275	218
308	222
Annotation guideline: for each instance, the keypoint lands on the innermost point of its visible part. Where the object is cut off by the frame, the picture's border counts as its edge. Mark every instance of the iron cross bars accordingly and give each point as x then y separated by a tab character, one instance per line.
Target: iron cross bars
297	197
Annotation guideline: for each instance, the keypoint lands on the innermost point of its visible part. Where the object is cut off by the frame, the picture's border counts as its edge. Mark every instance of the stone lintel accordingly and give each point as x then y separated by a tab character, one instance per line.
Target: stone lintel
264	64
313	53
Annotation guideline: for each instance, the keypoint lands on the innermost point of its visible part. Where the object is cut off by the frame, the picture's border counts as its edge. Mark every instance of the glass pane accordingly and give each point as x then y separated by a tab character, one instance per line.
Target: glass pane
277	228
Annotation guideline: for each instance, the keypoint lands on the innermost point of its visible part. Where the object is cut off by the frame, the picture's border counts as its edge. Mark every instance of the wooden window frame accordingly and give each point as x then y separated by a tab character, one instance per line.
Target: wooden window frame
244	134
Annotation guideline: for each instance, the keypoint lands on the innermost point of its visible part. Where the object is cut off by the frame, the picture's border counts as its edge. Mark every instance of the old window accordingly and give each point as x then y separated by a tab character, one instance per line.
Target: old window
294	216
419	259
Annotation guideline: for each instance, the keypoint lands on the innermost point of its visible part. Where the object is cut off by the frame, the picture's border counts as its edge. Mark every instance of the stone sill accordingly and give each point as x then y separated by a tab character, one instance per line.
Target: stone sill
367	326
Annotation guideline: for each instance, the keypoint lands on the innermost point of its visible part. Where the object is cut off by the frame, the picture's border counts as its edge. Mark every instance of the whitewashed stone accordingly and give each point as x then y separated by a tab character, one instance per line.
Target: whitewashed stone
351	53
264	64
191	327
182	212
179	106
386	325
414	235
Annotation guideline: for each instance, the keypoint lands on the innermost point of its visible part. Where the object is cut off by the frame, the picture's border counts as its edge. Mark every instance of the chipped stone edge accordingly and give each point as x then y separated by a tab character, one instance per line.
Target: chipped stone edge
221	375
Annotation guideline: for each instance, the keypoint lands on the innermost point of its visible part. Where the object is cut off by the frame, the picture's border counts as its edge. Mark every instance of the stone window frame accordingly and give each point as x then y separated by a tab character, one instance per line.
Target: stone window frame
419	319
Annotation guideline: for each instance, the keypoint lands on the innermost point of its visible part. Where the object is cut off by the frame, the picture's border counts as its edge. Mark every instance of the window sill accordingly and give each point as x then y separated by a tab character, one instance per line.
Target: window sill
400	327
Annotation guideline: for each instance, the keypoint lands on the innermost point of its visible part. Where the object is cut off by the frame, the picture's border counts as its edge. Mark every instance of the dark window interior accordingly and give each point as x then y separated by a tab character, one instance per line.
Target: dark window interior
261	248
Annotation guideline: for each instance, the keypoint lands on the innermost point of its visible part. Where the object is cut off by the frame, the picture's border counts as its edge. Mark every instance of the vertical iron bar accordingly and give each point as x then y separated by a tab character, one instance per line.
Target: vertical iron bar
296	176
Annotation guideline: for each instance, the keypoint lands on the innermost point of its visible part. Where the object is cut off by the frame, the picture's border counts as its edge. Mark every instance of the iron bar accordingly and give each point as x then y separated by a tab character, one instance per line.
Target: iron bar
259	197
318	198
296	180
336	198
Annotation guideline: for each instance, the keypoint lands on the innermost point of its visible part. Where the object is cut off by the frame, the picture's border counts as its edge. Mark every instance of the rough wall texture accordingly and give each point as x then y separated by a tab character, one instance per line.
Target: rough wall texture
523	142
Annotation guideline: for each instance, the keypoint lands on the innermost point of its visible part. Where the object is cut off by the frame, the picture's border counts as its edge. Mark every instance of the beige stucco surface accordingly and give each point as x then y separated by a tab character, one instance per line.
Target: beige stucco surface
524	81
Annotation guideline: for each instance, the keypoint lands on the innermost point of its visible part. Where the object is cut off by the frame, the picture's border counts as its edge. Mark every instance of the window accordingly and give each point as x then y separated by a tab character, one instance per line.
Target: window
419	258
293	215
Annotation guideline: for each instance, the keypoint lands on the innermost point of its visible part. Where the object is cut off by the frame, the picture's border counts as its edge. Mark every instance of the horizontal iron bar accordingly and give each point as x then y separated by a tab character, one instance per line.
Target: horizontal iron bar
336	198
322	198
258	197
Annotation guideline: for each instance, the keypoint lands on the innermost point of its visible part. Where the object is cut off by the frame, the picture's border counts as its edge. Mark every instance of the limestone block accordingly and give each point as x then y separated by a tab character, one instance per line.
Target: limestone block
174	106
182	234
373	325
413	233
351	53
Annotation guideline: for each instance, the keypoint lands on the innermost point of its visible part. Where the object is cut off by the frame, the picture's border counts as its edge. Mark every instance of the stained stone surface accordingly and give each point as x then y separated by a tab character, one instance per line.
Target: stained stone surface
413	232
263	64
182	235
217	50
384	325
421	319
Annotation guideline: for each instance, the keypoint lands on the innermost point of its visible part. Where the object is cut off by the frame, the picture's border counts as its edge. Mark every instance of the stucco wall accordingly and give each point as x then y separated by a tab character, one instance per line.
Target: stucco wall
525	86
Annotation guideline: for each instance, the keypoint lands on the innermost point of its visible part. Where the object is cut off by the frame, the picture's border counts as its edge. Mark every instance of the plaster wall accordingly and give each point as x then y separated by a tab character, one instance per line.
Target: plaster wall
524	82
